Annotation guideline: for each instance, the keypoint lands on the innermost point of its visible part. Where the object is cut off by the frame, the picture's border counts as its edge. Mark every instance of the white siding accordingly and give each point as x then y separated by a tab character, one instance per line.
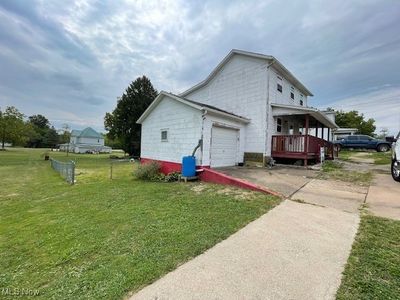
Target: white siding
284	97
240	87
184	126
90	141
211	120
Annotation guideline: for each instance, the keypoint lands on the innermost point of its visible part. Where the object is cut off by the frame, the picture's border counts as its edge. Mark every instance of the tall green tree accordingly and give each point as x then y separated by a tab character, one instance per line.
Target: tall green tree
51	138
121	123
353	119
41	127
12	126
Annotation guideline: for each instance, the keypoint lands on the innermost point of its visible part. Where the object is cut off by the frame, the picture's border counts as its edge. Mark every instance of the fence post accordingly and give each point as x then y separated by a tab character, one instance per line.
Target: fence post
111	169
73	172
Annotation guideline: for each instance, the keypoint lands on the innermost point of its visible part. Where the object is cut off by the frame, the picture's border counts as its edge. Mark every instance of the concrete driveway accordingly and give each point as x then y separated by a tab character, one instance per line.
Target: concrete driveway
301	184
384	197
285	181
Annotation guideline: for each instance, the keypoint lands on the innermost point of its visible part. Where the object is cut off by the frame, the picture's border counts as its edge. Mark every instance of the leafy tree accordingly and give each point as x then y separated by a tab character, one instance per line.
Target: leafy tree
352	119
51	138
12	126
39	121
121	123
40	134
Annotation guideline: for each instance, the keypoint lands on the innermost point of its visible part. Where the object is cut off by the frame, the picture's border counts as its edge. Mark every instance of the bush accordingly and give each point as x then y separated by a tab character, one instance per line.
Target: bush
148	171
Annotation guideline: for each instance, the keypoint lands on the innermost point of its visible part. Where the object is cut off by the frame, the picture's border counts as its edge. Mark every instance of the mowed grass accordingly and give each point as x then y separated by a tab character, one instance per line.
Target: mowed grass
373	269
102	238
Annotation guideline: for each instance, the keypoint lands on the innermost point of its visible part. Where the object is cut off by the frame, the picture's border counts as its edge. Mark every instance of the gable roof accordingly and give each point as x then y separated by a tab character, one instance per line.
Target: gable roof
87	132
272	61
91	133
191	103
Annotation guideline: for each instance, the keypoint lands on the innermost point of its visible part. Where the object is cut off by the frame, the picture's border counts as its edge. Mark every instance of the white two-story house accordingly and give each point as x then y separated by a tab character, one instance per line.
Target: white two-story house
250	107
87	140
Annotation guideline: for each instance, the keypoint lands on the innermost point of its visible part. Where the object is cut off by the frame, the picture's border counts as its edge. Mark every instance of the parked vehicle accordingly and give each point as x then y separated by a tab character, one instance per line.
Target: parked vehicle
396	159
362	142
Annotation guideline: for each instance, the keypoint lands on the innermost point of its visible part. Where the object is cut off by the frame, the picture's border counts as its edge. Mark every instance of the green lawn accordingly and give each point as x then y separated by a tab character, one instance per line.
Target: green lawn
373	269
101	238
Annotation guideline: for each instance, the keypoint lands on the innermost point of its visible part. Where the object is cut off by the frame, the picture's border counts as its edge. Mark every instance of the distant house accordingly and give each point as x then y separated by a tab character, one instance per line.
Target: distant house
87	140
342	132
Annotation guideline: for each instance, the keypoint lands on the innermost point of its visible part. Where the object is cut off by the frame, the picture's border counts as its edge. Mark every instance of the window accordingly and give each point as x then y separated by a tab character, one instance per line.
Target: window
279	87
279	125
164	136
301	102
352	138
292	95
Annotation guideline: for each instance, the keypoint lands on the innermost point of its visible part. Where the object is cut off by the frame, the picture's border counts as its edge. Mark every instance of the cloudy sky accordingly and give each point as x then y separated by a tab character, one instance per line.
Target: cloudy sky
70	60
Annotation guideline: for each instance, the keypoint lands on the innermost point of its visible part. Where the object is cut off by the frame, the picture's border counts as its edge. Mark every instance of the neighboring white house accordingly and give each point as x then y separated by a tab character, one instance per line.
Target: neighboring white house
342	132
249	108
87	140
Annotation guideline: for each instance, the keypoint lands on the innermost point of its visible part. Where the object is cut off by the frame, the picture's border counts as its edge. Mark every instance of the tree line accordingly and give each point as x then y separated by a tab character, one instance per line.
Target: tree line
33	132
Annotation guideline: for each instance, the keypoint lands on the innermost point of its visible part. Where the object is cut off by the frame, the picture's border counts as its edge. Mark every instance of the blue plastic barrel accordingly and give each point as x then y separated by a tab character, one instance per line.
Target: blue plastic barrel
189	166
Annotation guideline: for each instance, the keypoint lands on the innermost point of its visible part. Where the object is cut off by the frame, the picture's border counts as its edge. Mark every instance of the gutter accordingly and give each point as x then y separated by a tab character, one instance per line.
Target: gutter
267	111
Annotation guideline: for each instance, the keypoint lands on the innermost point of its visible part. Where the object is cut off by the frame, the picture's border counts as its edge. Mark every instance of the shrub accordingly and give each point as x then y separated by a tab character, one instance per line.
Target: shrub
147	171
174	176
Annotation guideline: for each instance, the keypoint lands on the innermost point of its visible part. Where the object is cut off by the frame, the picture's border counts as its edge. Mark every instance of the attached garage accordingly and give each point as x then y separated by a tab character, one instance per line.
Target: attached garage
224	146
172	128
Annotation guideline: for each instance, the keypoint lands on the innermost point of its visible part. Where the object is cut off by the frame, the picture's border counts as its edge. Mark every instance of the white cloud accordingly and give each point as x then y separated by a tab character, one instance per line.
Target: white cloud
382	104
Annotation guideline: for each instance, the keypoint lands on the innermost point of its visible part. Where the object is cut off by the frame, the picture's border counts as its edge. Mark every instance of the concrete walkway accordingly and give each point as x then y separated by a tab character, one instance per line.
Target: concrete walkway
384	197
296	251
335	194
286	181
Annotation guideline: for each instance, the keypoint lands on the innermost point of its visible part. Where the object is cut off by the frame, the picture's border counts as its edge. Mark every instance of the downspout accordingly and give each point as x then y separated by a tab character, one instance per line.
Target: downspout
267	137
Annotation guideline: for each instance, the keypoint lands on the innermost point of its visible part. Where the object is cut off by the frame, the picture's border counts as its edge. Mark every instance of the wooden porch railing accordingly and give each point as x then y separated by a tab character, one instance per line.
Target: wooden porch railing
300	146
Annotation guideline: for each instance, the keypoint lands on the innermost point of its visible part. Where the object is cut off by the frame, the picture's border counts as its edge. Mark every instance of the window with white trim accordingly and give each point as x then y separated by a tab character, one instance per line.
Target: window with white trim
164	135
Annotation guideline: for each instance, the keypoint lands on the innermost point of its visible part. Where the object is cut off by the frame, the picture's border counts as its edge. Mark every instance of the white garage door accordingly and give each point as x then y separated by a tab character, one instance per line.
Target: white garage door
224	146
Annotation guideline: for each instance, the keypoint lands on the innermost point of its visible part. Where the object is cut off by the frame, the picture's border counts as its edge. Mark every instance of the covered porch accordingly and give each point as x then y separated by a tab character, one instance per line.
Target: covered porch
301	132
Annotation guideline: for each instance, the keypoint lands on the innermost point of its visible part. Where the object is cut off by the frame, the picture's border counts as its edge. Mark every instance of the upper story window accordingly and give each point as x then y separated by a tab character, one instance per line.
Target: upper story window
279	85
279	125
164	136
292	93
301	100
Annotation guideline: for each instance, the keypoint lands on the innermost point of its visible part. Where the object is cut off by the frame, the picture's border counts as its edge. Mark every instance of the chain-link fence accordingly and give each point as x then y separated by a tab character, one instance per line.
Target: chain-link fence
65	169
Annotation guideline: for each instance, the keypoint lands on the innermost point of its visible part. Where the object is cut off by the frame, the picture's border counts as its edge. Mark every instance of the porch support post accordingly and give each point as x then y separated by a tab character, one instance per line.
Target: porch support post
323	127
316	129
306	140
329	134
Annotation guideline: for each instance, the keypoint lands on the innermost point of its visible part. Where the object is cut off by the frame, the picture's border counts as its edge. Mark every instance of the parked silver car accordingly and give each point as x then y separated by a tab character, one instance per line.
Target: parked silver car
396	159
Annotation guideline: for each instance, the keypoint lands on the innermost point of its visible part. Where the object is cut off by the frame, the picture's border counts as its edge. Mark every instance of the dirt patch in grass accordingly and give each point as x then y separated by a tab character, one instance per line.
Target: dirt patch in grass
335	170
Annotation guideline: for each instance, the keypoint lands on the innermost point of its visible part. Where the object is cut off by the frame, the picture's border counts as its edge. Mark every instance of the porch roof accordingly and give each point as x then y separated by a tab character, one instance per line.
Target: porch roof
291	110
